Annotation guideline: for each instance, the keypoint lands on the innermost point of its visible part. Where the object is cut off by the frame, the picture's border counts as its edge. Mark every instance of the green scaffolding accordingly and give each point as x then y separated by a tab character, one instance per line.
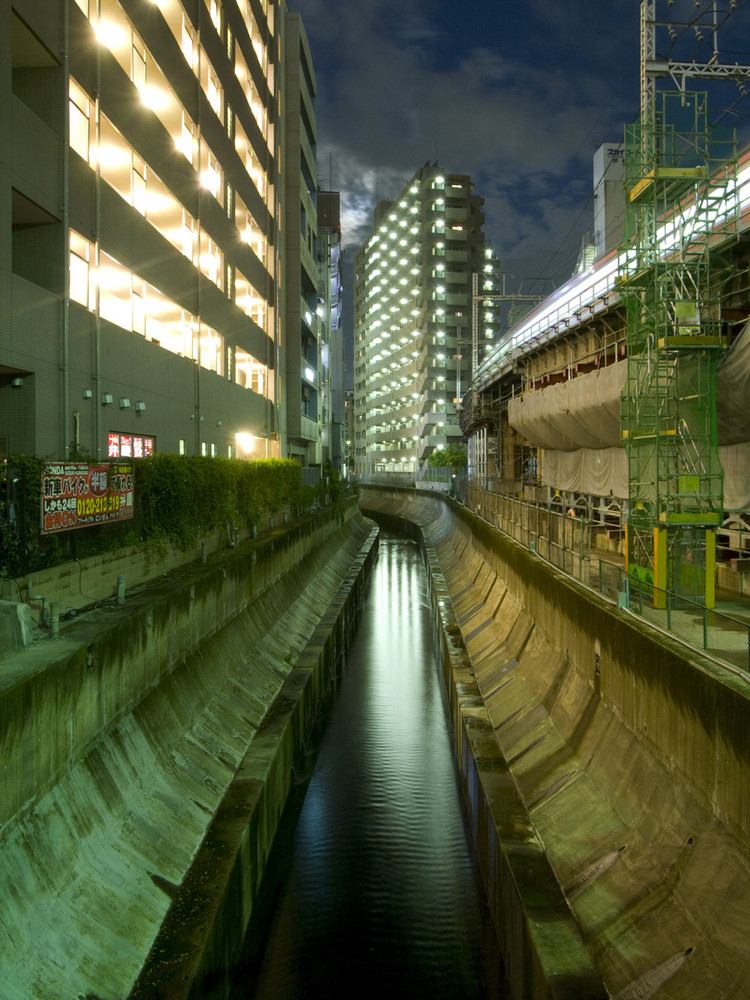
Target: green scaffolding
681	220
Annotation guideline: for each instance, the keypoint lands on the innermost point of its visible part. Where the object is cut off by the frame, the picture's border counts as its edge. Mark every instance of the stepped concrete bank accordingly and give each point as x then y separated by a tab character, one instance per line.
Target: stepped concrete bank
606	770
147	757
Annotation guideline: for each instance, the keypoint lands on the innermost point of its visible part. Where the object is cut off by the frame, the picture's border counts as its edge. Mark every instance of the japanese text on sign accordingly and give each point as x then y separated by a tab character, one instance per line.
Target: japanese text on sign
79	494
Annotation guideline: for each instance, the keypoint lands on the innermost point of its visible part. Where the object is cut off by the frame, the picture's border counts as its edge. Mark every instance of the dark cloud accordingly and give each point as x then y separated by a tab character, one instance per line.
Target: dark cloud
517	94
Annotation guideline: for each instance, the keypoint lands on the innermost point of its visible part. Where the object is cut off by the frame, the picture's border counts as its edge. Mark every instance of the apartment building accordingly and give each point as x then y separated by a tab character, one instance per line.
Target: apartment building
414	329
142	253
330	303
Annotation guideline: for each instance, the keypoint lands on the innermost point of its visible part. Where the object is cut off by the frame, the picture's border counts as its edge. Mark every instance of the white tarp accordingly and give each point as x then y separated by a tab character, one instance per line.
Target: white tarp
603	472
735	460
583	412
600	472
733	392
577	424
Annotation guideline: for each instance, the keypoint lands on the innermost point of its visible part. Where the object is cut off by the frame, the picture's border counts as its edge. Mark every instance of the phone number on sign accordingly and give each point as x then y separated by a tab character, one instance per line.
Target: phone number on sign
98	505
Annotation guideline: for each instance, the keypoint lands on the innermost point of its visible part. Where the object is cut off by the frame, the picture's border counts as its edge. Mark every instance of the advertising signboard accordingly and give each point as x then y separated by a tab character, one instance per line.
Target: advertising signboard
79	494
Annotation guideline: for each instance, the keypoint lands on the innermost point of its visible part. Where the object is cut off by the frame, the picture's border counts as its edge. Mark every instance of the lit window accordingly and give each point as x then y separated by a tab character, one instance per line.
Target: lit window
214	9
211	349
80	108
81	252
139	185
187	43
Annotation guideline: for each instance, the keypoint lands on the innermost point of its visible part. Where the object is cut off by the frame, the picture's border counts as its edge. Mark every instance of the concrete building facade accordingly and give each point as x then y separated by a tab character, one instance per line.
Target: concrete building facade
330	304
141	250
413	320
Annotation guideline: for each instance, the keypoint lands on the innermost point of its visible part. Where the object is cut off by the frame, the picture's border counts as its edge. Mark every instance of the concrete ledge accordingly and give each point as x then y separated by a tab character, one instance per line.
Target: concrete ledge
201	938
16	625
120	743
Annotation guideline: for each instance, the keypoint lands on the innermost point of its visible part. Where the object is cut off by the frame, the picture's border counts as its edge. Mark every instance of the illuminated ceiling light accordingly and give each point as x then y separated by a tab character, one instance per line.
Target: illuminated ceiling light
109	34
210	181
111	156
155	98
245	441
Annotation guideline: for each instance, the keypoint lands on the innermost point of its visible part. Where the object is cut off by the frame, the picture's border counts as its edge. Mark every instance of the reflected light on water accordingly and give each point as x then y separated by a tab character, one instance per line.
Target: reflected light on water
382	893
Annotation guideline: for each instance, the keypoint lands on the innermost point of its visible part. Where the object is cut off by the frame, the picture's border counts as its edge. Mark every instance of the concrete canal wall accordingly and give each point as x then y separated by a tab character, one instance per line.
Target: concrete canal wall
605	767
147	757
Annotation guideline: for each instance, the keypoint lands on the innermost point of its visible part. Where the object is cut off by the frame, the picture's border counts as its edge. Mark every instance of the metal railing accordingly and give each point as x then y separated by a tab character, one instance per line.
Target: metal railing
567	541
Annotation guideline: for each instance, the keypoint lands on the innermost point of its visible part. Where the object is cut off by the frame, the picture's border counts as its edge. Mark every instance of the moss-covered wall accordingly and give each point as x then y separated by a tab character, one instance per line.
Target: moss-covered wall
125	739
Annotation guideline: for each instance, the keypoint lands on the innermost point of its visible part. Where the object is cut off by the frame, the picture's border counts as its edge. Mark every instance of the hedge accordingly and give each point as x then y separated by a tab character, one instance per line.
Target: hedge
178	499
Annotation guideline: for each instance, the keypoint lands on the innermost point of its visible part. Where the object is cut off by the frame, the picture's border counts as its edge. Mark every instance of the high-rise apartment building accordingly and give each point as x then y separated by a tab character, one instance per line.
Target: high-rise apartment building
300	349
413	327
330	254
141	254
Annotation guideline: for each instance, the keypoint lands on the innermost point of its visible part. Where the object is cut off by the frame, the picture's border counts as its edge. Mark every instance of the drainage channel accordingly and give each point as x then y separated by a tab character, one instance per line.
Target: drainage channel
374	884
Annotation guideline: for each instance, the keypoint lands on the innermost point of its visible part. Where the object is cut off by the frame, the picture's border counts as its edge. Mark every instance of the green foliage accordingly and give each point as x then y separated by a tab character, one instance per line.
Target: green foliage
454	457
178	499
19	525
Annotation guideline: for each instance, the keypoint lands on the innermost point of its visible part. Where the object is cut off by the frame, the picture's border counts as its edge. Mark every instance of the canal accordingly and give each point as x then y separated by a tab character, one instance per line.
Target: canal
376	887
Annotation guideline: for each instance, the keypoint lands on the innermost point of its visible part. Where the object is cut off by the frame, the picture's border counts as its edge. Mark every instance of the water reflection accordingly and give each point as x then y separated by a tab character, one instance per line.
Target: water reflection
382	893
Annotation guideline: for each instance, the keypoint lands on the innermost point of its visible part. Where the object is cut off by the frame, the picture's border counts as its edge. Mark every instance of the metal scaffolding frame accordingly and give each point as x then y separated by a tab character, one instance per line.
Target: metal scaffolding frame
682	217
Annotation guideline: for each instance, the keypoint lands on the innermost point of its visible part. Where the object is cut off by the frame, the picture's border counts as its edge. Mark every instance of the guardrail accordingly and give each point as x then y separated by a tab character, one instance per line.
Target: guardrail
567	541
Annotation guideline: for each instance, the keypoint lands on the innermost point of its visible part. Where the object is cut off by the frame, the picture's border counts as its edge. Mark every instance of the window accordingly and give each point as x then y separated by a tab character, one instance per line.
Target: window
138	65
187	43
211	86
214	9
81	253
212	178
80	108
130	445
211	349
139	184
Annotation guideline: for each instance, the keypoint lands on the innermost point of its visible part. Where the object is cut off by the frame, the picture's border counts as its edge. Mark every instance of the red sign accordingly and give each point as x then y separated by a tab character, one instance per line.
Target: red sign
79	494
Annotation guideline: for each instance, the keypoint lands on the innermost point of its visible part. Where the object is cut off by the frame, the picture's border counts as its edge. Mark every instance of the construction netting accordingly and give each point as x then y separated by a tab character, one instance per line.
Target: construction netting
576	423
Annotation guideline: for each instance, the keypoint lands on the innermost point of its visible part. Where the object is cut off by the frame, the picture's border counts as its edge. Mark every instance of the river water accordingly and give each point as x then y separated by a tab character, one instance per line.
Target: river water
377	889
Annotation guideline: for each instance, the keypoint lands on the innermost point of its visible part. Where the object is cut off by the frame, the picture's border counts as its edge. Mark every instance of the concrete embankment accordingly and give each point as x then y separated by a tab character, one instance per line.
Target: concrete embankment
147	757
606	770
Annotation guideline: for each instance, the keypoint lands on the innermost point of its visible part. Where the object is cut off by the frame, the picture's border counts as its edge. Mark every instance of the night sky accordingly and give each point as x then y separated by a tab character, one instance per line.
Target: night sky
518	94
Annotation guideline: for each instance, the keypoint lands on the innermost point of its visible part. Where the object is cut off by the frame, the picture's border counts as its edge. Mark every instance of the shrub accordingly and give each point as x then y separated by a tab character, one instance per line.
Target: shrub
178	499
